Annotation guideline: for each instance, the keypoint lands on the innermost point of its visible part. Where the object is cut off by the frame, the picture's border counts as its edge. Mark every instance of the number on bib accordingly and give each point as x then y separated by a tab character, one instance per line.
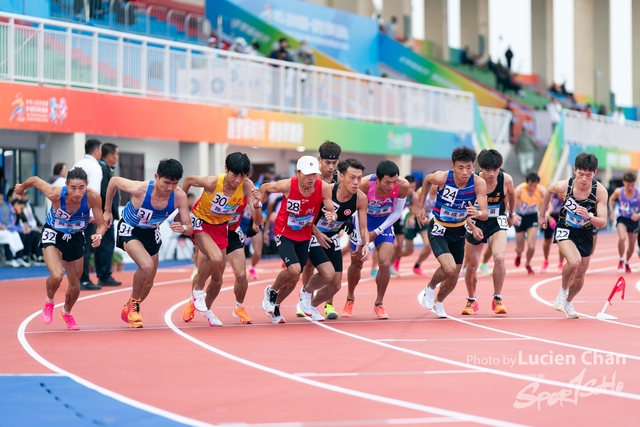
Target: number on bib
438	230
124	229
335	239
196	223
240	234
49	236
562	234
62	214
157	235
293	206
449	193
571	205
503	223
145	216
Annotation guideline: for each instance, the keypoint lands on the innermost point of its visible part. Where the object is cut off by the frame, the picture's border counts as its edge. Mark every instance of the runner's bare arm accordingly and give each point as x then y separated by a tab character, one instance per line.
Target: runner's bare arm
208	183
181	202
95	203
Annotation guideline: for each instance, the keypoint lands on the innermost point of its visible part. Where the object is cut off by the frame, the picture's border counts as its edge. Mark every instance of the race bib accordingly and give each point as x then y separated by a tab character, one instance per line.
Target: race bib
219	205
562	234
494	211
49	236
158	236
299	222
124	229
438	230
144	215
293	206
503	223
240	233
449	194
196	223
62	215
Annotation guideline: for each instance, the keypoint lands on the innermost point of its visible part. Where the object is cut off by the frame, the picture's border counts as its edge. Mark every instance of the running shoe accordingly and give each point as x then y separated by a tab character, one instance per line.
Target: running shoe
70	321
517	262
134	317
560	266
558	304
188	312
570	311
124	314
47	313
393	272
627	268
374	272
470	308
497	307
252	274
315	315
211	318
620	264
530	270
428	297
241	313
197	297
277	317
380	313
418	271
347	311
440	310
304	303
545	265
396	264
267	305
330	312
484	268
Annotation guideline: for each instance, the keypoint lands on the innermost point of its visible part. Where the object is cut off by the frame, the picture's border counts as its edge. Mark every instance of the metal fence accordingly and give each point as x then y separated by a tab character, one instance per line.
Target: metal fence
76	56
497	121
601	131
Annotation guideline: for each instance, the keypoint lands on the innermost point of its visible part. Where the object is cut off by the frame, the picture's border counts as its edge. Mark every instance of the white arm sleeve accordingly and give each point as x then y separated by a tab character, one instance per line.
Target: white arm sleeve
395	215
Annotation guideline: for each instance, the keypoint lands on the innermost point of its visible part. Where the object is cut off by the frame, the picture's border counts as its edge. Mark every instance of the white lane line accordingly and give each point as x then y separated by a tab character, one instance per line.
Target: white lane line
391	421
368	374
534	293
498	372
363	395
450	339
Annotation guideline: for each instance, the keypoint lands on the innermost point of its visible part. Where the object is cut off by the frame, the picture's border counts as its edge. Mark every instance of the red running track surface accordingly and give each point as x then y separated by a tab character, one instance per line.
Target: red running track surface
409	370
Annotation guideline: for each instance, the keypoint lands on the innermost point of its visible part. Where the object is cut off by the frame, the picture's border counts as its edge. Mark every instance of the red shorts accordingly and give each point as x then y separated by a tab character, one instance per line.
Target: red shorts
218	232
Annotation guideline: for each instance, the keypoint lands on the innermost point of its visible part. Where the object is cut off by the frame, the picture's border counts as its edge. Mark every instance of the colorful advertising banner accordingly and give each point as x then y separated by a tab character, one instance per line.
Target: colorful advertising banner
346	37
552	154
238	22
608	157
484	139
46	109
426	71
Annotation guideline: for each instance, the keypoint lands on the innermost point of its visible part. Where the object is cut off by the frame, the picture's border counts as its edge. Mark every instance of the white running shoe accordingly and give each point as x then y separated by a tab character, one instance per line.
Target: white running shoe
277	317
428	297
570	311
304	304
315	315
440	310
558	304
197	297
267	305
211	318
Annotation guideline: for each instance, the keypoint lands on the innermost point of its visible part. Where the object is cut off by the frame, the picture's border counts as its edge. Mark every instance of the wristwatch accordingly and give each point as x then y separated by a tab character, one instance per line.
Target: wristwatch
590	215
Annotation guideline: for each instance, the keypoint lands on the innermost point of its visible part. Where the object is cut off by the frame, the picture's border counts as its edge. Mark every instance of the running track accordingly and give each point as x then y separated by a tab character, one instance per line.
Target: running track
413	369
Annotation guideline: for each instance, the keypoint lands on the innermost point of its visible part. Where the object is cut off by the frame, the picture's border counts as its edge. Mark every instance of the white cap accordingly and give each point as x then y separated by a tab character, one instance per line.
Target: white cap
308	165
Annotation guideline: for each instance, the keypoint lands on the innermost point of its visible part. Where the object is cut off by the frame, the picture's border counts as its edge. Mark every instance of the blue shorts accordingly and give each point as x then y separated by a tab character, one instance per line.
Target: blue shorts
372	223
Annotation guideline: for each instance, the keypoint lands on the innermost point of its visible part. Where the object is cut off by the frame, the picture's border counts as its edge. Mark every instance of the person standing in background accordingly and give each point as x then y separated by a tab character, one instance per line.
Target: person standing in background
509	56
104	252
94	178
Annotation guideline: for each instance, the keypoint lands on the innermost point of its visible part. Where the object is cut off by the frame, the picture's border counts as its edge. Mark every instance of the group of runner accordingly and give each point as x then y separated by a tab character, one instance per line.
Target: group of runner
455	211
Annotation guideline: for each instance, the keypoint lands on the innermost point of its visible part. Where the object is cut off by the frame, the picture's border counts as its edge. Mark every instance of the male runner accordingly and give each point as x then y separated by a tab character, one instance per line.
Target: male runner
585	207
138	231
627	222
528	197
222	196
386	194
63	236
494	230
325	253
303	197
458	190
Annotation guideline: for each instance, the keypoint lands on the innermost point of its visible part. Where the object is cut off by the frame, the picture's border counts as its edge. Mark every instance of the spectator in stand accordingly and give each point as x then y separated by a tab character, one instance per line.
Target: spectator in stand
32	230
554	108
59	176
254	49
304	54
525	148
602	111
618	116
509	56
212	42
282	52
467	58
10	241
391	27
239	45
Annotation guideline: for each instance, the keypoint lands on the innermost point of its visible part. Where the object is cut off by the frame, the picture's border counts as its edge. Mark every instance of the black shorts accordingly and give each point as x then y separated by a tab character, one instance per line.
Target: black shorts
292	252
581	237
236	240
447	240
528	221
71	246
489	227
250	232
632	226
149	237
549	232
398	228
412	233
319	255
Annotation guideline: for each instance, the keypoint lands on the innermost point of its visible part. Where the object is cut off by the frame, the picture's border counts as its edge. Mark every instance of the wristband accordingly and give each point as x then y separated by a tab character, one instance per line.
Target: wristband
479	213
99	236
378	231
591	215
184	227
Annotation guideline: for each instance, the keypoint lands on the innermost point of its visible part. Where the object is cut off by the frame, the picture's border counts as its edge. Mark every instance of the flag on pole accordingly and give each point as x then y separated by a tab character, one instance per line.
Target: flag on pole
619	287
